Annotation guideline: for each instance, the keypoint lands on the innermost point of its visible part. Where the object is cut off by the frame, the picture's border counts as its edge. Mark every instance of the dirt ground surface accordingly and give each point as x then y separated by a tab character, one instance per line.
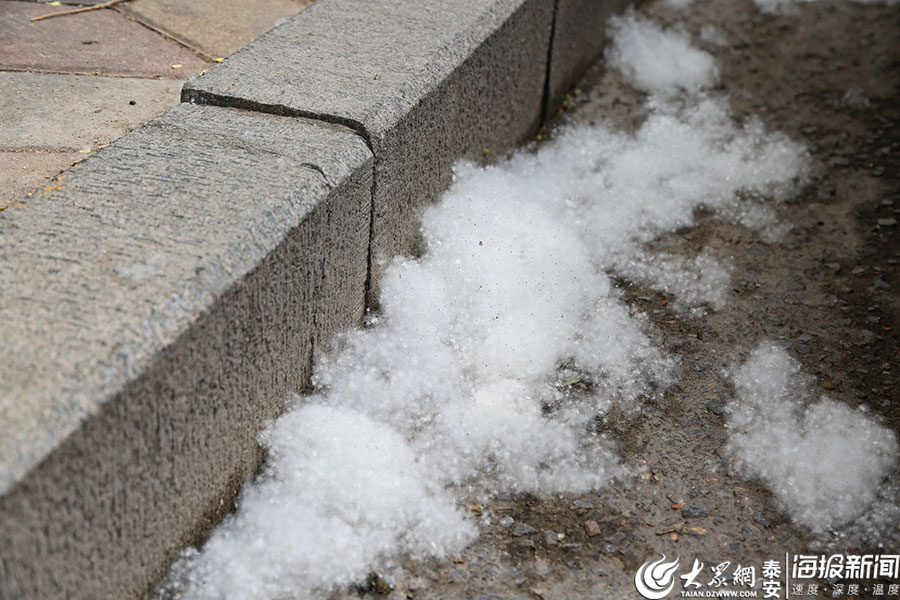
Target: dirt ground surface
827	76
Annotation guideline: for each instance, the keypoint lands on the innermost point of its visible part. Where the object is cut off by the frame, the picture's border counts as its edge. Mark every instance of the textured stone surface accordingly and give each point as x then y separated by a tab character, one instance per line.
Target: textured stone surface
578	39
155	312
41	111
426	86
21	173
214	27
100	41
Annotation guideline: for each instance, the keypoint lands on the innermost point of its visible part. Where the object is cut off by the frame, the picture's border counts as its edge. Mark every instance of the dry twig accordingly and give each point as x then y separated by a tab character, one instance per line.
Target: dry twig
76	10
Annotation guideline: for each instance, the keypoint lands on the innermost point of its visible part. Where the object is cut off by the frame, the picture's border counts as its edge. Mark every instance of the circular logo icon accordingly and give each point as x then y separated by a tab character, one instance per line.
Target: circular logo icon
655	579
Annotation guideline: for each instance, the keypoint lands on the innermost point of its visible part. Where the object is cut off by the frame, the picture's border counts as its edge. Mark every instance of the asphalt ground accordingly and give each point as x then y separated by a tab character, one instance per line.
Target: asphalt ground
825	74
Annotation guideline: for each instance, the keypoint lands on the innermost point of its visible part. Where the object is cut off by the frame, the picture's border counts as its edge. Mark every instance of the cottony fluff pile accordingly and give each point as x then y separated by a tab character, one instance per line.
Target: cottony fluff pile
824	462
455	387
781	6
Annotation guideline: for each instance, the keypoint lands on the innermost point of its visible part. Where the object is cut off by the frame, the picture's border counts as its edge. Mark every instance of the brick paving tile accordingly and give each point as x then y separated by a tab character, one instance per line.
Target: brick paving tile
73	3
214	27
99	42
40	111
22	173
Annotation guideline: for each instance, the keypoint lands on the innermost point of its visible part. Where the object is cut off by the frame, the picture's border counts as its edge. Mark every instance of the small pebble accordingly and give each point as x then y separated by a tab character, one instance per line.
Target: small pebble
669	529
887	222
583	503
617	537
699	367
506	521
760	518
523	529
693	512
550	538
592	528
716	408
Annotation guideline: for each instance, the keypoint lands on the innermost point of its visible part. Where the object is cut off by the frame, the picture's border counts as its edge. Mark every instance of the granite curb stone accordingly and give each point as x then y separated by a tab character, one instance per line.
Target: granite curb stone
578	41
425	86
158	309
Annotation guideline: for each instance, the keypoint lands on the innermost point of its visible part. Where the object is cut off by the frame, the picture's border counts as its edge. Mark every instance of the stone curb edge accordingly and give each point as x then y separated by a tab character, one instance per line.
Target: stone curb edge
167	298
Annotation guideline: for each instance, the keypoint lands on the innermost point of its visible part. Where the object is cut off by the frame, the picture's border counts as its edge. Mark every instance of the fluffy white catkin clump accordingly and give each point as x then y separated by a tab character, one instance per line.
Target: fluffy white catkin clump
824	462
660	61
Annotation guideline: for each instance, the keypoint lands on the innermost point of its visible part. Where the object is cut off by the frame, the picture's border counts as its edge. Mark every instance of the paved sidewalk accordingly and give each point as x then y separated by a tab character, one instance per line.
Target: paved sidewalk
70	85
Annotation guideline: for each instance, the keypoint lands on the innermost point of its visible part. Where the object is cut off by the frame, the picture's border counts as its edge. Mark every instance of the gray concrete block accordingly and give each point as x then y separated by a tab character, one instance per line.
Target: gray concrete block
426	83
154	312
578	41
